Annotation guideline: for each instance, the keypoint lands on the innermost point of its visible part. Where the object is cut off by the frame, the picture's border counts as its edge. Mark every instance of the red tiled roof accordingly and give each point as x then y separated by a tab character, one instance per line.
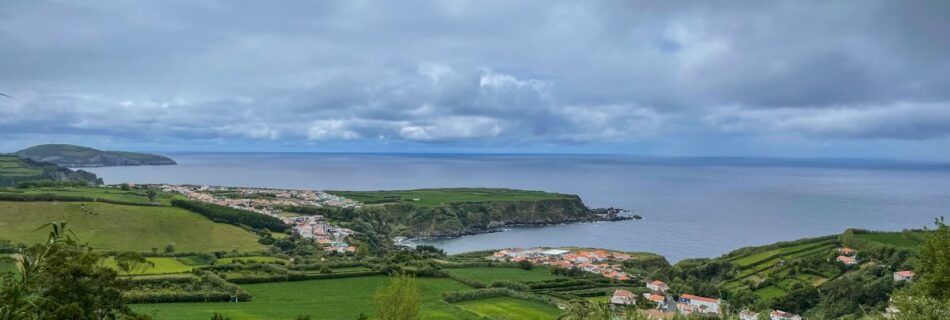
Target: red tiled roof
623	293
692	297
905	273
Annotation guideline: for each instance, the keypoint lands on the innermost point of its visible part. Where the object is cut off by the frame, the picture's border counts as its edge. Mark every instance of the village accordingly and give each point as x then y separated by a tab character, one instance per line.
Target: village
662	304
269	202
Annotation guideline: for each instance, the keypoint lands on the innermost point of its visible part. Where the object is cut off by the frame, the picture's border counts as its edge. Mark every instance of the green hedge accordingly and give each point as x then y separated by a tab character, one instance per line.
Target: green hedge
232	216
37	197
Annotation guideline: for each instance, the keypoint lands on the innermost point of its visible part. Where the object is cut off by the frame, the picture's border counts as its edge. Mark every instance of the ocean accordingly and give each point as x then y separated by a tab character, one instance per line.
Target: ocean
691	207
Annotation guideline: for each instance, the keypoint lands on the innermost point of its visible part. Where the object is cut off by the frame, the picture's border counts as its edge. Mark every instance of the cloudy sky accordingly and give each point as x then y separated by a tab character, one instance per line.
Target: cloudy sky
705	78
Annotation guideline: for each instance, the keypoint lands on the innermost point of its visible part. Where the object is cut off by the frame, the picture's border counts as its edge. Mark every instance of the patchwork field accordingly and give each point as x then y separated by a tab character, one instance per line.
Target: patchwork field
162	265
117	227
11	166
320	299
489	274
435	197
249	259
510	308
114	194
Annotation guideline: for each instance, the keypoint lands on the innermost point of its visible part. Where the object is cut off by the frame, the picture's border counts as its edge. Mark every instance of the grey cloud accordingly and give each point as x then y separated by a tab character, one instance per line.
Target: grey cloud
495	72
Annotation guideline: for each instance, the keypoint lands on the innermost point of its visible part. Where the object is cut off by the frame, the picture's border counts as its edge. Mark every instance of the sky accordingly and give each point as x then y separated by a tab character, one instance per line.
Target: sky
865	79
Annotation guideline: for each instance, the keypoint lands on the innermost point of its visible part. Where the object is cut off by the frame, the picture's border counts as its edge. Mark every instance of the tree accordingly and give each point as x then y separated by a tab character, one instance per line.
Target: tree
933	264
62	279
525	265
151	195
170	248
130	261
400	300
362	316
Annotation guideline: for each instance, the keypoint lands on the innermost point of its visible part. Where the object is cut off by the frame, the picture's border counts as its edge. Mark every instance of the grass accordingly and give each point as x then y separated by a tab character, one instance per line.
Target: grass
124	228
911	240
320	299
248	259
510	308
133	196
12	166
489	274
435	197
163	265
7	264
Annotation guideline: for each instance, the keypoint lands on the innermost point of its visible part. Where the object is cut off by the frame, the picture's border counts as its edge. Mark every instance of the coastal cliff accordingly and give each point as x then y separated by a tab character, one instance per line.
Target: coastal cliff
462	218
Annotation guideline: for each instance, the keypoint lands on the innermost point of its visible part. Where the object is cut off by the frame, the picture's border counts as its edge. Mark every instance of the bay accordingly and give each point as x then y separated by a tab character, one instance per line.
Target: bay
692	207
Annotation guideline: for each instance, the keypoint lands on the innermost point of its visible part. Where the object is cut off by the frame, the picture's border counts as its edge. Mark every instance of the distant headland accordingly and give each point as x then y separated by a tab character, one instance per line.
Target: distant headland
73	156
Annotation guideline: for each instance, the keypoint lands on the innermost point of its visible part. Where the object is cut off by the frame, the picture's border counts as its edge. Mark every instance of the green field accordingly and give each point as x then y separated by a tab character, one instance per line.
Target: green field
119	227
12	166
249	259
115	194
489	274
909	240
163	265
321	299
435	197
510	308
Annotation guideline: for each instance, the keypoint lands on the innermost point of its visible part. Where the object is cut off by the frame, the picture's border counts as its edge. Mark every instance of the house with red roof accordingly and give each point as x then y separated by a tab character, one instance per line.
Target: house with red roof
782	315
623	298
657	286
700	304
848	261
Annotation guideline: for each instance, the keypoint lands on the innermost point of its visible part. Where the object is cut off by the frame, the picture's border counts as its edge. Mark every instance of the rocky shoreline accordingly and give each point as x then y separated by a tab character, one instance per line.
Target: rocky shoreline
597	215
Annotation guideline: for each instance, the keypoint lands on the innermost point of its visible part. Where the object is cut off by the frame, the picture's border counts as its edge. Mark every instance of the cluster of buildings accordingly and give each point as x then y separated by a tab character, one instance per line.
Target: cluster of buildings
595	261
666	307
260	199
268	202
317	229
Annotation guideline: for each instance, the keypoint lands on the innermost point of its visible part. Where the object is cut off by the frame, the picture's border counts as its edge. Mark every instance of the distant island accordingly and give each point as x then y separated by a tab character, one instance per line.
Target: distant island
68	155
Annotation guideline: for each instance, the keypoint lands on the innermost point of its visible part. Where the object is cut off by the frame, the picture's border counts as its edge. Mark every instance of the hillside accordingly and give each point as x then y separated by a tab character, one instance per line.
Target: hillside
796	275
457	211
14	170
107	226
77	156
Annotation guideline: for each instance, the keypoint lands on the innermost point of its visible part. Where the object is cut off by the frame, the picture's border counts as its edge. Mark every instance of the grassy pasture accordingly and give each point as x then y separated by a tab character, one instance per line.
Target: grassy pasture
489	274
133	196
163	265
911	240
11	166
510	308
249	259
321	299
435	197
124	228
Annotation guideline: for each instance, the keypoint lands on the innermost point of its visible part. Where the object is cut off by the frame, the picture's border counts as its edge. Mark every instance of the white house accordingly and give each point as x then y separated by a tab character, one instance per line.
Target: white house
782	315
623	298
657	286
700	304
748	315
903	276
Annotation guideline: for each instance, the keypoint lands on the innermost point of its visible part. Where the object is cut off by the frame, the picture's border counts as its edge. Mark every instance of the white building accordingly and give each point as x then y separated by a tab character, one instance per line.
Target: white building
903	276
782	315
657	286
700	304
623	298
748	315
